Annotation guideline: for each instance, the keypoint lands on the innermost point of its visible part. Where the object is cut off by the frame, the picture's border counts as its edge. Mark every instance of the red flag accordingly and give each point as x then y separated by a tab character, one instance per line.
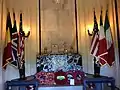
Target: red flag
7	54
110	46
14	40
102	47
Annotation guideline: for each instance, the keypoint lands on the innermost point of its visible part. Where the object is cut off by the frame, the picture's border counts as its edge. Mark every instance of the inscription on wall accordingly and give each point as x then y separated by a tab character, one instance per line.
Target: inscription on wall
57	24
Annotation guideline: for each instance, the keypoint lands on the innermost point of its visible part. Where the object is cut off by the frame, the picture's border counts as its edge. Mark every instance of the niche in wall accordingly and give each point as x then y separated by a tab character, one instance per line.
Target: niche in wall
57	26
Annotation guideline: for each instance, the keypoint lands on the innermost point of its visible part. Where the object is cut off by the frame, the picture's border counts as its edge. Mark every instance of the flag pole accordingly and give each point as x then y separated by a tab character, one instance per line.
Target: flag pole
95	32
21	49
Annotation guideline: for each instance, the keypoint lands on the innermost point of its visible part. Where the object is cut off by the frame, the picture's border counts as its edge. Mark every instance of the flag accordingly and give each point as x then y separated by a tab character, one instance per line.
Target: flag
14	39
95	39
21	50
102	47
7	53
110	46
21	41
94	47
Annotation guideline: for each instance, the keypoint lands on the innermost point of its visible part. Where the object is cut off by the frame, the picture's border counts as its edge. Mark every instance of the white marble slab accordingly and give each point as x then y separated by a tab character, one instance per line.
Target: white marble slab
62	88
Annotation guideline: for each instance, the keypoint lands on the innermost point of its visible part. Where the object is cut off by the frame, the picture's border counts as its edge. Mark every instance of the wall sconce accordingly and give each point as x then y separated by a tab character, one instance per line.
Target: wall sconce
90	34
26	32
90	30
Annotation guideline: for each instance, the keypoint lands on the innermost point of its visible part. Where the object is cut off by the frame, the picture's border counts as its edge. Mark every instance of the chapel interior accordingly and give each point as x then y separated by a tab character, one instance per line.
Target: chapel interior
58	32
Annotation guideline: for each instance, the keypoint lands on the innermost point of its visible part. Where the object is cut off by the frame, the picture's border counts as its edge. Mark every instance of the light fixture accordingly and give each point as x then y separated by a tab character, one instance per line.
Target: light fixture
26	32
90	30
90	34
26	35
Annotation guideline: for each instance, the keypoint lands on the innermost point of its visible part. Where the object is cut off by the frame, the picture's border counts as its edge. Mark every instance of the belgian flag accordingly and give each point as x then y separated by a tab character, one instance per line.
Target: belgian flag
7	53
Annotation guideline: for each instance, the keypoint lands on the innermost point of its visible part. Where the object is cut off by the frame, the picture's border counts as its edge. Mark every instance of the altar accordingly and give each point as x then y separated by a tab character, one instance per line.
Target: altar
32	84
59	72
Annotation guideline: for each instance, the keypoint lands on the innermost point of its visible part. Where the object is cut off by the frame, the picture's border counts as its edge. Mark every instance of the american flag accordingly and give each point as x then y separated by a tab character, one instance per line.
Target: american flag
94	47
14	40
95	39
